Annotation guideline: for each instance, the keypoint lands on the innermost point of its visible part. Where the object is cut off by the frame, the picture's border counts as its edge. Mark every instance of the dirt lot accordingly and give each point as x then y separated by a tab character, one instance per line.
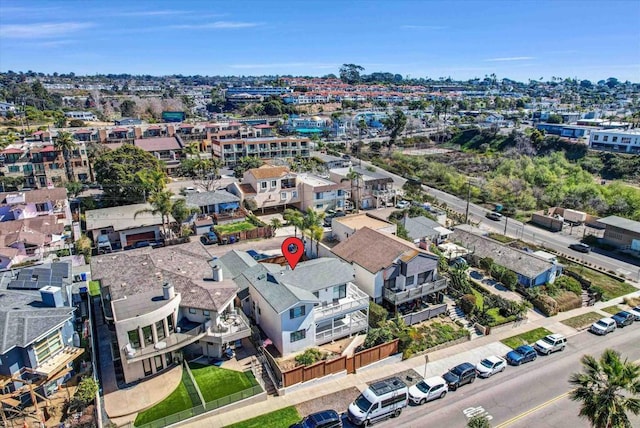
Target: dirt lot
338	401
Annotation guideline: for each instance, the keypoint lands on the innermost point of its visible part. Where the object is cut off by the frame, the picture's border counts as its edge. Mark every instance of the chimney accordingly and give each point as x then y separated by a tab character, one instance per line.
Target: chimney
52	296
217	273
168	292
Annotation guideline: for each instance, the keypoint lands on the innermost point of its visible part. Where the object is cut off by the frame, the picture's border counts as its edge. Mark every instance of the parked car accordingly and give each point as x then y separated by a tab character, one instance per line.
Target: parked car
623	319
461	374
551	343
580	247
383	399
428	389
492	215
603	326
209	238
403	205
635	312
331	214
522	354
490	366
323	419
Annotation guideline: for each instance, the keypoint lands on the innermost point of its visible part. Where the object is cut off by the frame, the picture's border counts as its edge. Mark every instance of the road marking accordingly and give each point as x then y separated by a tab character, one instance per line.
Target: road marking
533	410
470	412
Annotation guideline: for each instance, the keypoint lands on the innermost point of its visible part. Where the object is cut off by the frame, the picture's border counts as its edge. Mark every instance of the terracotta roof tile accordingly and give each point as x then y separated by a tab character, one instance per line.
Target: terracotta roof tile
268	172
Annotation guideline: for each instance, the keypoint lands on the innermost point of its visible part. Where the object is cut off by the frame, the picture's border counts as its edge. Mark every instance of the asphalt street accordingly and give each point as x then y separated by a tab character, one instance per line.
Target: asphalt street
532	395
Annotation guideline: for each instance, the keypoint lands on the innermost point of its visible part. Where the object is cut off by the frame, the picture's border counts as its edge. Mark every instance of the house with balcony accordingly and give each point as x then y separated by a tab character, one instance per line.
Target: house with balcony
37	340
321	194
268	187
166	304
372	189
394	273
168	150
314	304
222	206
230	151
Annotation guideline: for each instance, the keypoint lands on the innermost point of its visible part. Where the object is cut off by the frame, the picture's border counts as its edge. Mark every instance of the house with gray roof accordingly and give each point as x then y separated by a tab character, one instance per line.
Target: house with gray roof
36	330
621	232
532	269
311	305
423	229
222	206
167	302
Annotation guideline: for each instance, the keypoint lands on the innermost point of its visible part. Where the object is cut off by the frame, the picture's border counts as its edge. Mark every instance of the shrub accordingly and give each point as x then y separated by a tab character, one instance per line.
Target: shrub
308	357
568	300
87	390
509	279
377	315
569	284
468	303
545	304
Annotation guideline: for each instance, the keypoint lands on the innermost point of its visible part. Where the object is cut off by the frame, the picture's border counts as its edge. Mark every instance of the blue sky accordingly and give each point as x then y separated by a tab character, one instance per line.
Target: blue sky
515	39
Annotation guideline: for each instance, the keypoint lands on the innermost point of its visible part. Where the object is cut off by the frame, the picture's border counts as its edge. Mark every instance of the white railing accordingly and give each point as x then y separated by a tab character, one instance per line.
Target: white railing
354	301
356	324
237	327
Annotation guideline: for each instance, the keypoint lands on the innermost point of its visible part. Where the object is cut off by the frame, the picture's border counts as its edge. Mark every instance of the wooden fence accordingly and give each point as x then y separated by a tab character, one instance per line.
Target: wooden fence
257	233
350	364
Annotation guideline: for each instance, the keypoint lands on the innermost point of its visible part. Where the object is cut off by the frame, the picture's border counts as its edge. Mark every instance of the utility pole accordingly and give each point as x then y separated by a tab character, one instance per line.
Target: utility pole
506	219
466	214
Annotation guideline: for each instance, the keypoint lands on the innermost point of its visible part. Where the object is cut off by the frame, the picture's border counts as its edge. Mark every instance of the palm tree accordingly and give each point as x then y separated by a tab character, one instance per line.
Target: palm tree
192	149
160	204
295	218
275	225
608	389
352	176
66	145
181	211
312	224
152	181
316	232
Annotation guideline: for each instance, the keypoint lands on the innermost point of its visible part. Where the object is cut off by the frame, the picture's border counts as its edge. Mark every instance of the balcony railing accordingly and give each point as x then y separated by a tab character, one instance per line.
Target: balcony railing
396	296
353	323
355	300
173	342
235	327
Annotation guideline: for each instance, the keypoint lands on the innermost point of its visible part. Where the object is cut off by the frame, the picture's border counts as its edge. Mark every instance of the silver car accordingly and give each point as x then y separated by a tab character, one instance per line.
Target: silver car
490	366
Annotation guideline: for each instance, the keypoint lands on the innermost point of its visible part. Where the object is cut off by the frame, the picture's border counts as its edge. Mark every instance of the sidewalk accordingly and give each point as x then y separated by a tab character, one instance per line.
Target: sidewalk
439	362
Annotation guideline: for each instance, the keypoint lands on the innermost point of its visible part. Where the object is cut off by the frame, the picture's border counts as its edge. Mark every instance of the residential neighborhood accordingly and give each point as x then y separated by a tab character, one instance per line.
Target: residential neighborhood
308	216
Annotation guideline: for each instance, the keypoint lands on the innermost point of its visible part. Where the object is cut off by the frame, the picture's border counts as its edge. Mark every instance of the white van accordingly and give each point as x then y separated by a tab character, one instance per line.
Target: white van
383	399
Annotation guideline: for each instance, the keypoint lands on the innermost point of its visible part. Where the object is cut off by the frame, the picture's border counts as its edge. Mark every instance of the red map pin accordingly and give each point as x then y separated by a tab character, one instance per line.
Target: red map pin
292	250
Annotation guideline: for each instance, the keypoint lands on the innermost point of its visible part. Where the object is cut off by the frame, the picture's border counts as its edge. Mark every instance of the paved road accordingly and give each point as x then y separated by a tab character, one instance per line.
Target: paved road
527	396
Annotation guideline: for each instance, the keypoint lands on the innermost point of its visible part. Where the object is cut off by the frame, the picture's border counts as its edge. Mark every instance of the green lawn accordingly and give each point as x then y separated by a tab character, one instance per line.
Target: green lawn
278	419
479	298
611	287
176	402
612	309
500	238
240	226
215	382
94	288
495	314
526	338
582	320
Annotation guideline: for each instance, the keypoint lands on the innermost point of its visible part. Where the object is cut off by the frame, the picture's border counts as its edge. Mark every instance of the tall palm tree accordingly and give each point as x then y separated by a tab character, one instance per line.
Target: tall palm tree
312	224
295	218
316	232
160	204
152	181
354	176
608	389
192	149
181	211
66	145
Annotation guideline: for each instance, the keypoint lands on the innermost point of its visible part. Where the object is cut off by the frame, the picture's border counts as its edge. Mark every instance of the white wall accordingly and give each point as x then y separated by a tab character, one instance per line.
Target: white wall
306	322
368	282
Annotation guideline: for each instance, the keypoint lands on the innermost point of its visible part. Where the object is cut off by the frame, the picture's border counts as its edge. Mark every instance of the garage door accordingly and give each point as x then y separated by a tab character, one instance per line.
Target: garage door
147	236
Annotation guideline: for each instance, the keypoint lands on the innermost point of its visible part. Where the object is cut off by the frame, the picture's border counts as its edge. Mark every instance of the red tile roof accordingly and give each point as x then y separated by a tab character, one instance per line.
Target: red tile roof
119	130
263	126
11	151
83	131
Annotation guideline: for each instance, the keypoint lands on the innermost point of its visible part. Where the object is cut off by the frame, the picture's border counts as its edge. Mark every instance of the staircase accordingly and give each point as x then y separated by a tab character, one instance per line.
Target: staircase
456	314
263	378
587	299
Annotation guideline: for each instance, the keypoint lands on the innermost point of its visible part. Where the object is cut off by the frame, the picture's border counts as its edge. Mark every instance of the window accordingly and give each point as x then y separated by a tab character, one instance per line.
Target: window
147	335
410	280
595	137
192	310
273	184
160	330
283	196
298	335
390	283
626	140
615	139
159	366
393	400
41	208
422	277
263	185
606	138
318	195
13	168
206	313
340	291
319	206
297	312
48	346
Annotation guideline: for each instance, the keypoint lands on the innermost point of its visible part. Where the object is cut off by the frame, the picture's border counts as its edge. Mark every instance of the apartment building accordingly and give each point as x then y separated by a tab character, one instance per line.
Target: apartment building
268	187
627	141
230	151
321	194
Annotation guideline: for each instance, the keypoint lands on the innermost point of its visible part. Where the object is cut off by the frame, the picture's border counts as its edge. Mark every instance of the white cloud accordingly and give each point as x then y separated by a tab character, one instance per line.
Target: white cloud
218	25
510	58
42	30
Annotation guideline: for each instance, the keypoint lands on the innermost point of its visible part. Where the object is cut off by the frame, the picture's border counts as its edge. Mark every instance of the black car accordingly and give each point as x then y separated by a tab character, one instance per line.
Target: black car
623	319
581	248
461	374
330	215
323	419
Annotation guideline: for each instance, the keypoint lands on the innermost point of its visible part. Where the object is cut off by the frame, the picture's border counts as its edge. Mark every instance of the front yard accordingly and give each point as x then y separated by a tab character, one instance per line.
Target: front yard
241	226
215	382
526	338
583	320
178	401
277	419
610	287
612	309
